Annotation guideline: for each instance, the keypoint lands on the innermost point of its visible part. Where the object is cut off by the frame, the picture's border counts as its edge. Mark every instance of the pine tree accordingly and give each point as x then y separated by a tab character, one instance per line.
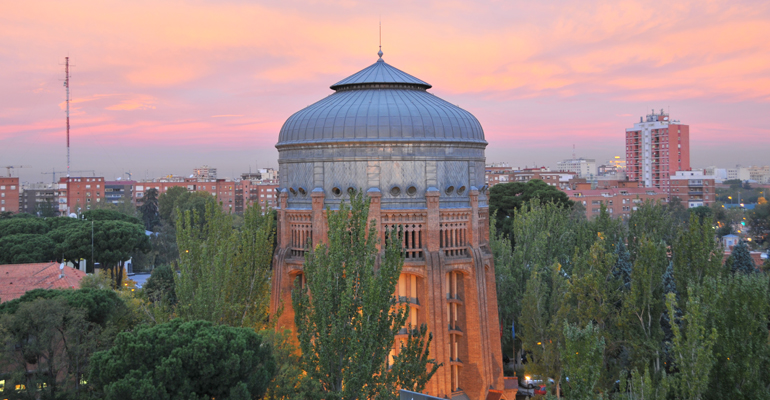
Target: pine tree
347	316
742	261
622	268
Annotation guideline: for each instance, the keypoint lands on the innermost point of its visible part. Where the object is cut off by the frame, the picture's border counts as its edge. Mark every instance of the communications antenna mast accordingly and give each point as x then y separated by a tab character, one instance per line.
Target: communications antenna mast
67	86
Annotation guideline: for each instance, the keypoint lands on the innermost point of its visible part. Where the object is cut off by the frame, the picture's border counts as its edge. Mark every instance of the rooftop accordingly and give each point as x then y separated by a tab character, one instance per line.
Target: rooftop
17	279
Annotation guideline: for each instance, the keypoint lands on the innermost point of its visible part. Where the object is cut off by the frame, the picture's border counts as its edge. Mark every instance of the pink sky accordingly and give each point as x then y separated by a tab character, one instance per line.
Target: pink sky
161	87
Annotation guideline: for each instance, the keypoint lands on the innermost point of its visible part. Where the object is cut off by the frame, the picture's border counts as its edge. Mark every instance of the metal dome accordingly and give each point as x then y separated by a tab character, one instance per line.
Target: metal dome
380	103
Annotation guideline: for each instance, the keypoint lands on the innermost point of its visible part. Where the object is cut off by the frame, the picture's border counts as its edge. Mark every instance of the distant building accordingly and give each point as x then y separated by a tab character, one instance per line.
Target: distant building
118	192
738	172
205	172
620	202
583	167
79	194
9	194
36	197
558	179
760	174
17	279
693	188
656	148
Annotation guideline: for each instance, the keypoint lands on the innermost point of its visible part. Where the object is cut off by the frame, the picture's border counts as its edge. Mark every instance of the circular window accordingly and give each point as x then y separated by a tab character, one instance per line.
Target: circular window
302	191
351	191
395	191
461	190
449	190
336	191
411	190
293	192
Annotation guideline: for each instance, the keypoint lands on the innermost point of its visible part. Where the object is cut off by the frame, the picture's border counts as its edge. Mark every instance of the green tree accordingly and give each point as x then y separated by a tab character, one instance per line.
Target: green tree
26	248
109	215
622	268
583	358
653	221
540	325
742	353
167	202
643	308
149	209
184	360
506	199
15	226
691	347
759	222
160	285
225	273
741	259
347	328
696	254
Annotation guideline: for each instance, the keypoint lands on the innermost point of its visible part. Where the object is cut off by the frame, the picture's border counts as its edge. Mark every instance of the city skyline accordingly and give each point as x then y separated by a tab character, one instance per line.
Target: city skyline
212	82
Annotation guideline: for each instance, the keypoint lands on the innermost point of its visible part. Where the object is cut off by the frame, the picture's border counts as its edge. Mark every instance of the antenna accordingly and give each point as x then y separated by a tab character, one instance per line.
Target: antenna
67	86
573	151
379	53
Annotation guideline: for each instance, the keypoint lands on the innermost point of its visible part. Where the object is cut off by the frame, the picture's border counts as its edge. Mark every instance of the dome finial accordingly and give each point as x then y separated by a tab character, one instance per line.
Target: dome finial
379	53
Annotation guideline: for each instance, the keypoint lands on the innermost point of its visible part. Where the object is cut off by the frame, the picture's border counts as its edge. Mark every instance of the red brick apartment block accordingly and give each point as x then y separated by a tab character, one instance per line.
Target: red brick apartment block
657	147
79	194
9	194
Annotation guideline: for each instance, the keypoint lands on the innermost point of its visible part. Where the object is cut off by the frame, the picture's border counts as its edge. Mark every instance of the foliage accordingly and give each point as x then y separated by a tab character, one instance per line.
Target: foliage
759	222
583	355
622	269
15	226
184	360
641	387
26	248
691	347
653	221
47	348
179	198
696	255
225	273
741	259
506	198
347	328
149	209
160	285
109	215
742	353
289	381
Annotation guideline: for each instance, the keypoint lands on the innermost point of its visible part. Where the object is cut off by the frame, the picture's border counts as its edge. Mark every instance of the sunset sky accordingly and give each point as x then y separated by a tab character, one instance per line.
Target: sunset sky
160	87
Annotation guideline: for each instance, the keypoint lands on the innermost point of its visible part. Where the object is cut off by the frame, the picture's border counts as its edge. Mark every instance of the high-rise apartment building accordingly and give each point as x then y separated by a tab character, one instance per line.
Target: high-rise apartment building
657	147
79	194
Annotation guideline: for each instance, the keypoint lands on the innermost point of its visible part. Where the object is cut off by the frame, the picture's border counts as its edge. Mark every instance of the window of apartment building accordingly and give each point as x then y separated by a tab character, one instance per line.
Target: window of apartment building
2	187
596	210
596	202
2	201
88	186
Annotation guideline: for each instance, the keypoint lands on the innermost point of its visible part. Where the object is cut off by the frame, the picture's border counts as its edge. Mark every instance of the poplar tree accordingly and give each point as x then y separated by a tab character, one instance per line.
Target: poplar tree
347	315
224	272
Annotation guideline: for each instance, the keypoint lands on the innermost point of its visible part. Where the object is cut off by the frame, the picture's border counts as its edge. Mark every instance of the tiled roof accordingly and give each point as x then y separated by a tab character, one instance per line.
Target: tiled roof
17	279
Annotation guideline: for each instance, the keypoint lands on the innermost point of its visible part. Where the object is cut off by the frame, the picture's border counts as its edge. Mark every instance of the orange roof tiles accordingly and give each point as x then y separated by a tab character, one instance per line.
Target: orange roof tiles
17	279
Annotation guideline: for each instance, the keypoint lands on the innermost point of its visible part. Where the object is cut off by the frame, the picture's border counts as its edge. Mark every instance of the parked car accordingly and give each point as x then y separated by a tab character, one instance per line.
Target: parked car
530	382
540	390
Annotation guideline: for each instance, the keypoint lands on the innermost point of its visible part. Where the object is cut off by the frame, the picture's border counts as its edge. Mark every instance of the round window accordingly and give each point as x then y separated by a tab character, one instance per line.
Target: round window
336	191
351	191
449	190
411	191
302	191
293	192
461	190
395	191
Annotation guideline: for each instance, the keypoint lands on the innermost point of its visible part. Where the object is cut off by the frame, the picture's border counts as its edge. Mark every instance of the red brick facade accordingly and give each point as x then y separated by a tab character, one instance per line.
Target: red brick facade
447	279
9	194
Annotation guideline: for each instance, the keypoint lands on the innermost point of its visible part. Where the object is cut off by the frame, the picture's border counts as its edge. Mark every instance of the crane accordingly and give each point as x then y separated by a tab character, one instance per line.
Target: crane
10	167
54	172
129	175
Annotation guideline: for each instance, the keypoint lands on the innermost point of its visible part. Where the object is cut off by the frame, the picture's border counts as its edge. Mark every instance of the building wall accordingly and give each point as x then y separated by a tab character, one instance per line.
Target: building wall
232	195
693	188
447	279
80	194
9	194
583	167
620	202
33	197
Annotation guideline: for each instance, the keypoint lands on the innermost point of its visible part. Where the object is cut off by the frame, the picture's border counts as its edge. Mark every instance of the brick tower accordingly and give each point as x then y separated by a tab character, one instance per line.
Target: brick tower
421	161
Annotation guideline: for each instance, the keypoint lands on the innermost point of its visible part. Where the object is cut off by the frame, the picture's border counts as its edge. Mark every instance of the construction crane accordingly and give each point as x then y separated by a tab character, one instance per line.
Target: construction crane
54	172
129	175
10	167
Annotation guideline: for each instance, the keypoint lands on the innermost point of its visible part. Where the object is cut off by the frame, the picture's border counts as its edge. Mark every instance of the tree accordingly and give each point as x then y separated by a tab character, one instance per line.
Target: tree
225	273
742	353
622	268
26	248
160	285
506	199
112	243
653	221
179	198
347	316
15	226
691	347
109	215
167	202
741	259
149	209
583	357
696	255
184	360
51	335
759	222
